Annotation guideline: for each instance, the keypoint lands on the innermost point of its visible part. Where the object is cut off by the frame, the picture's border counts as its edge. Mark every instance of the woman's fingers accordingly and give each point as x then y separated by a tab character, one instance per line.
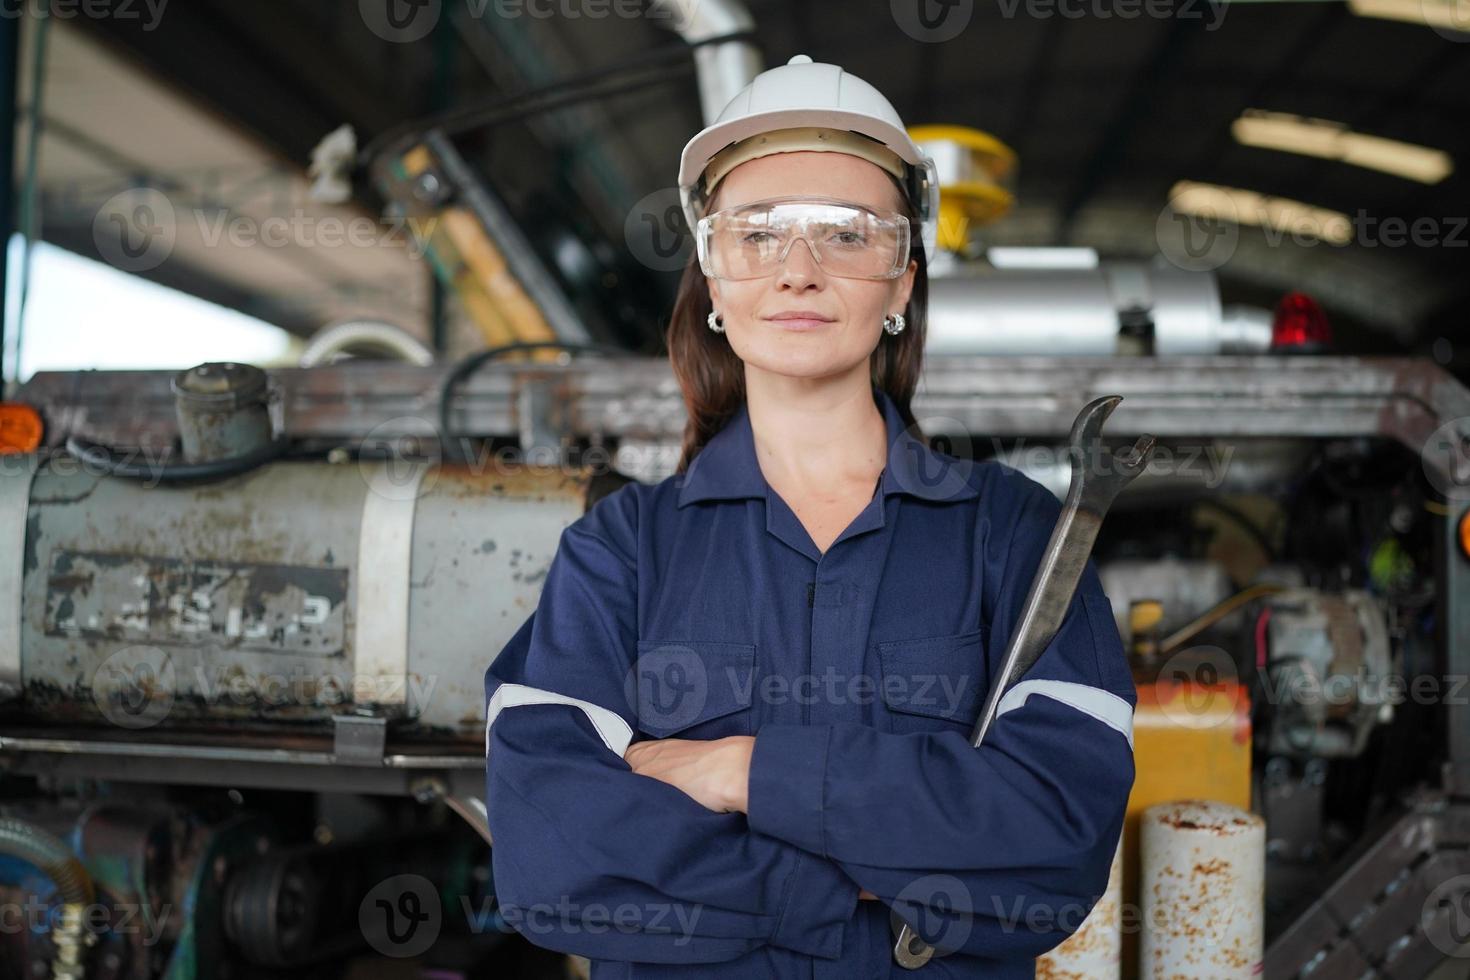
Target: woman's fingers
715	773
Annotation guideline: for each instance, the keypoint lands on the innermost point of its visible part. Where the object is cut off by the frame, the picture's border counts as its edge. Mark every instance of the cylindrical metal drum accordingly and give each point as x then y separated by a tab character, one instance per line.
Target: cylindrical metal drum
1082	312
289	594
1203	886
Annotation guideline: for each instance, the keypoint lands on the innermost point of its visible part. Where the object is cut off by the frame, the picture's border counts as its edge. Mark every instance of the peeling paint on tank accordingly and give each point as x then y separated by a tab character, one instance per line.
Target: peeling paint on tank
492	478
135	598
295	516
32	561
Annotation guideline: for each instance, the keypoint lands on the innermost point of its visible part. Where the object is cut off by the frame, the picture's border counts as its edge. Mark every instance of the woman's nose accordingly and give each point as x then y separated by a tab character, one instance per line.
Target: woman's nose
799	266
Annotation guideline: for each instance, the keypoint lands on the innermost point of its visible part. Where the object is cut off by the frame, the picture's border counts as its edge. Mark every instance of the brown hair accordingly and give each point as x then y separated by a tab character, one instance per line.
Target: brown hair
712	376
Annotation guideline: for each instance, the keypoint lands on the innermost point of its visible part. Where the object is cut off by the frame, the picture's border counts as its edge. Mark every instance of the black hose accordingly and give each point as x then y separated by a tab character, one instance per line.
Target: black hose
472	363
104	458
560	92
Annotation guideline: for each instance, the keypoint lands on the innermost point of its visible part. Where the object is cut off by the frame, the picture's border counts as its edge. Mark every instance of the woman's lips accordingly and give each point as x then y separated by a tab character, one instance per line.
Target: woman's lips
800	323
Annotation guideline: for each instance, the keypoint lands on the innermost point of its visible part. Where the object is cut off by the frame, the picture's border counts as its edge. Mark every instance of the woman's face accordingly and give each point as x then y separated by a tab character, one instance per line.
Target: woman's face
855	307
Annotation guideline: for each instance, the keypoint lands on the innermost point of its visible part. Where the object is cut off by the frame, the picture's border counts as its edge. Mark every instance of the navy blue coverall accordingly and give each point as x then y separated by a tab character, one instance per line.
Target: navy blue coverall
699	608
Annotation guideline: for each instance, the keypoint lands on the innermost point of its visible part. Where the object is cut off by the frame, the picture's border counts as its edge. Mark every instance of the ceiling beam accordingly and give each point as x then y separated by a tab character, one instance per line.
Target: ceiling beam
265	70
1122	129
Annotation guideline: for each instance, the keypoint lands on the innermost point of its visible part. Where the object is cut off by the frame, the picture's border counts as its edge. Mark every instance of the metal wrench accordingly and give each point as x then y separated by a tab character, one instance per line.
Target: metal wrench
1088	498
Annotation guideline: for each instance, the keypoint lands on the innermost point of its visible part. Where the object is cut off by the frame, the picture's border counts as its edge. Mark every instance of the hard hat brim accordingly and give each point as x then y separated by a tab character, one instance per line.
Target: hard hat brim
702	148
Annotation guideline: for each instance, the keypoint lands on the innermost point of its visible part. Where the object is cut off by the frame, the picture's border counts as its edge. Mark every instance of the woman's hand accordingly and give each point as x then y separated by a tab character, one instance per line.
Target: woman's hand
715	773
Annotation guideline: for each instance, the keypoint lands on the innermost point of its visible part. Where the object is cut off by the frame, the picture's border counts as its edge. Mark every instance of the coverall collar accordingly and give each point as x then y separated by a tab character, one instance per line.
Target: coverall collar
726	468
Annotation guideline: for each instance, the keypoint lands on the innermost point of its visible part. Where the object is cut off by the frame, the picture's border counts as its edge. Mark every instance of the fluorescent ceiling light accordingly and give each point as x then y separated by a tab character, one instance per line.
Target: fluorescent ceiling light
1016	257
1442	15
1335	141
1245	207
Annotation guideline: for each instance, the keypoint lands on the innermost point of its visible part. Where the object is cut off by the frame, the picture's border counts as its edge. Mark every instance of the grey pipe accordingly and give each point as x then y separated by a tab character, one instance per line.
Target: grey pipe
1014	312
722	69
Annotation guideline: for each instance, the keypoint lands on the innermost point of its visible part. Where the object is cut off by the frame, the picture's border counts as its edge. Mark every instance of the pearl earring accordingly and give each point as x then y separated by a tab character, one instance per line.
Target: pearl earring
893	323
716	322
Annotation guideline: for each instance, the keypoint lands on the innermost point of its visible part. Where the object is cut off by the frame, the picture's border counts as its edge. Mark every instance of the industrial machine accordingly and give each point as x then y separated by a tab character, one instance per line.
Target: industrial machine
320	621
244	616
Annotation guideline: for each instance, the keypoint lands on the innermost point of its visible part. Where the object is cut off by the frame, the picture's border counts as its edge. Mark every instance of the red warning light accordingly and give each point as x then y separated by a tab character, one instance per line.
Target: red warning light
1299	325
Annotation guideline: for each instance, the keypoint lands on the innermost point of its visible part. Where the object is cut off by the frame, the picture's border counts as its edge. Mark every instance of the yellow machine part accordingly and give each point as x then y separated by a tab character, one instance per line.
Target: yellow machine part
980	194
468	259
1190	741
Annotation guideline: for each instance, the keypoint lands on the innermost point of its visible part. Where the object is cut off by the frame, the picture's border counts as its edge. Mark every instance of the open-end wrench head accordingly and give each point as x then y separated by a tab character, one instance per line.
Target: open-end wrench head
1087	427
1098	477
1134	460
910	951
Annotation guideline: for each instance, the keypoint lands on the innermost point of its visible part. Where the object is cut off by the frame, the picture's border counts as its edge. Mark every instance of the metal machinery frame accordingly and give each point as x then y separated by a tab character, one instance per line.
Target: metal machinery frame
1372	920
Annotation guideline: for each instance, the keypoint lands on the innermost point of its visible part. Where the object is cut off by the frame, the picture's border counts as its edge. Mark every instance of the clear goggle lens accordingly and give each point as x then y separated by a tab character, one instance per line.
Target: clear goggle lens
848	240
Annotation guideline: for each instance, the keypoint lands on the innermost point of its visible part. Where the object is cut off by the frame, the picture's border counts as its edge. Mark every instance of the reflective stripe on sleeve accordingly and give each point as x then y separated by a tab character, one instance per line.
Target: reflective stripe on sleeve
614	731
1105	706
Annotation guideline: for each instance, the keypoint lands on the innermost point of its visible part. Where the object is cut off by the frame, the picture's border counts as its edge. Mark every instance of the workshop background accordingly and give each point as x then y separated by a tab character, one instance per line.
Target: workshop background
323	318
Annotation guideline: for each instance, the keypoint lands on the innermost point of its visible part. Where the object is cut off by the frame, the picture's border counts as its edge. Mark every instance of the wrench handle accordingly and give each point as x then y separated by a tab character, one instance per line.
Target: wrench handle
1026	646
1052	589
1046	605
1039	623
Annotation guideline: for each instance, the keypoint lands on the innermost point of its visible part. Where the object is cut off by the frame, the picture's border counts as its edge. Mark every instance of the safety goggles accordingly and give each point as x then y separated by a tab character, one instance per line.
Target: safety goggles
851	241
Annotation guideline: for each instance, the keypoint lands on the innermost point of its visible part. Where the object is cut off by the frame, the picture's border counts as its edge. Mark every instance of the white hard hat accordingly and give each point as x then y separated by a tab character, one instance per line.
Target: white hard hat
806	105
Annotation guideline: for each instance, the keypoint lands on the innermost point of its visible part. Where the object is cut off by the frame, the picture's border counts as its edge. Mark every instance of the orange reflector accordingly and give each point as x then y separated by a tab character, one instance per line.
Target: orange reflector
20	428
1465	534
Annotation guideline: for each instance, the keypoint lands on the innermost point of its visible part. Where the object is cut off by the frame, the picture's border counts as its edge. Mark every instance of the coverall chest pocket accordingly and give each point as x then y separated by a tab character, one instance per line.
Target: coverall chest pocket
698	689
935	683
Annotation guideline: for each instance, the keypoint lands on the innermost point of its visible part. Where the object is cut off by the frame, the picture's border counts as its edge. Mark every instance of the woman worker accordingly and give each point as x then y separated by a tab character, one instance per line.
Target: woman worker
732	741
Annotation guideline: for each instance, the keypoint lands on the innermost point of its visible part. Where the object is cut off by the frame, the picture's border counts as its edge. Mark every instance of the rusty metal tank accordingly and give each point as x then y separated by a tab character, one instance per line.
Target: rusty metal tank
284	596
